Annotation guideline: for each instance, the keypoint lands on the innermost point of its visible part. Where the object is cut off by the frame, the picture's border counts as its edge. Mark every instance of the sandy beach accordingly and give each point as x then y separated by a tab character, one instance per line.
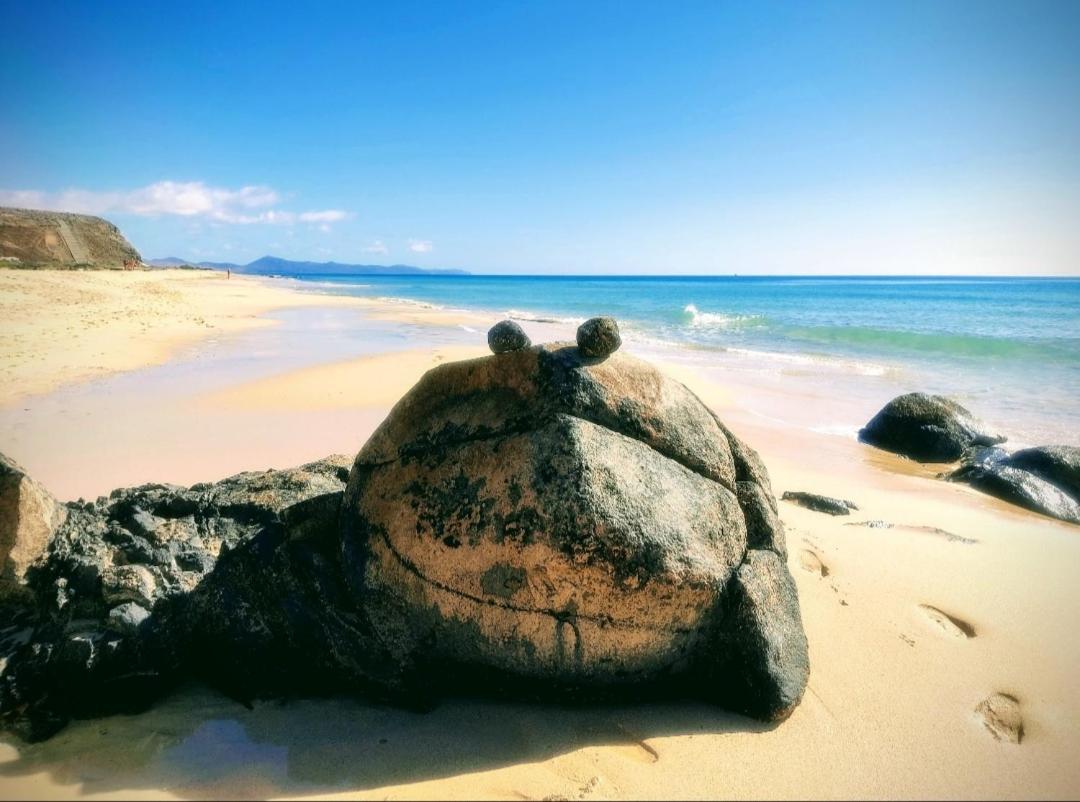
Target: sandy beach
115	379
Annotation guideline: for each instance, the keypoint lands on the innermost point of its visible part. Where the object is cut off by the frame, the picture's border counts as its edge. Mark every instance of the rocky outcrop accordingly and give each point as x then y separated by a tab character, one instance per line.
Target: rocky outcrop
97	624
31	238
825	504
545	518
536	522
1040	479
927	428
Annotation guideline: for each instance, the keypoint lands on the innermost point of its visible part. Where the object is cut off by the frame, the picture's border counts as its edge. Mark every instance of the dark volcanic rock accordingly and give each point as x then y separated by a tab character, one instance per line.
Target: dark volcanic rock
826	504
598	337
98	635
995	472
1059	465
927	428
506	335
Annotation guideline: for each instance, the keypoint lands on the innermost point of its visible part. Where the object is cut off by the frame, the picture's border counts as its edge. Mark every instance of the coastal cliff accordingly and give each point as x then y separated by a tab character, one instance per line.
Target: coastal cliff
39	239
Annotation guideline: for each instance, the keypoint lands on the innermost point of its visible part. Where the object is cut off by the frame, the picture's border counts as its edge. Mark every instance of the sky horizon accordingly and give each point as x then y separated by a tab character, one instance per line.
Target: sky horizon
696	138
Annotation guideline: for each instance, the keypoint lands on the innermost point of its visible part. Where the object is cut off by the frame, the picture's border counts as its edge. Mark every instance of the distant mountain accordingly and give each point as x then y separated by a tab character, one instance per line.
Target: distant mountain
176	261
275	265
168	261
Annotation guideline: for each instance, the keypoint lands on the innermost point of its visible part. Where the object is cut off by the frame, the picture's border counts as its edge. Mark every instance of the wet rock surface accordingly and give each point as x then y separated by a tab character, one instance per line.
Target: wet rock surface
1058	465
1039	479
536	523
506	335
817	503
927	428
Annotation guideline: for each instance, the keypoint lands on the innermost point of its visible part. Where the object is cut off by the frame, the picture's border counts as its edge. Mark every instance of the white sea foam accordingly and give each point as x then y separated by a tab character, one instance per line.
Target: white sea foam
715	319
845	430
814	360
538	317
386	299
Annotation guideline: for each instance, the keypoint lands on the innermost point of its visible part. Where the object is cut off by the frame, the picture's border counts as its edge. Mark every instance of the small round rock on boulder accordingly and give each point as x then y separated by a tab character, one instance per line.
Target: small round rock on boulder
506	336
598	337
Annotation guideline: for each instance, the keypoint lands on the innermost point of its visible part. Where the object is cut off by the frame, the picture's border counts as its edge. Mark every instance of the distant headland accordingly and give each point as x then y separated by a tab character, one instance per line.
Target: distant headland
36	239
39	239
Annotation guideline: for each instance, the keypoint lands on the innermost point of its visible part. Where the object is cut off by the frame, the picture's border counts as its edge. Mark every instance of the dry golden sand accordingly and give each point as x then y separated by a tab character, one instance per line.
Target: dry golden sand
58	326
910	629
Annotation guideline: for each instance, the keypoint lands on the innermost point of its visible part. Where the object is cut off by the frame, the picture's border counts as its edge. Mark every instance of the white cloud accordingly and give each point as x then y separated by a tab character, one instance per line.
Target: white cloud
327	216
190	199
420	246
378	246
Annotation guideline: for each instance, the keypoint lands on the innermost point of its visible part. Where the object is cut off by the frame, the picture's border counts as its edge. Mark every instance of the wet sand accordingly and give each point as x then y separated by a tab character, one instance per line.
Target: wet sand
910	627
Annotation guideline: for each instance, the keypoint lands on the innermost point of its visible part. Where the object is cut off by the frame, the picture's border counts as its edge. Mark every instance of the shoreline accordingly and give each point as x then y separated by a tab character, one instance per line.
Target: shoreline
890	707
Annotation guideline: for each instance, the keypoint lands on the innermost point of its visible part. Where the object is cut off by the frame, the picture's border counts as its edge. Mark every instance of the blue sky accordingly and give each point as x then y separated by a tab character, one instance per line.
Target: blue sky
584	137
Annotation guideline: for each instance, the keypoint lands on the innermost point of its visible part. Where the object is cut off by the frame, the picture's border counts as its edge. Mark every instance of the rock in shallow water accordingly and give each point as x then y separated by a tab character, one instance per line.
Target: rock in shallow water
598	337
927	428
1007	476
1058	465
506	336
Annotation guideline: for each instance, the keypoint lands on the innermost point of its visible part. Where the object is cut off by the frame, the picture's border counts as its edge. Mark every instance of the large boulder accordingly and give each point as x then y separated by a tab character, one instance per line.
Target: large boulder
545	519
1040	479
927	428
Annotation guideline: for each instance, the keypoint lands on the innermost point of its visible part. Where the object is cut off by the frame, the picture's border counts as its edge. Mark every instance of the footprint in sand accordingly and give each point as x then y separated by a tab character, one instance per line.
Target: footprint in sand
639	751
949	624
1000	714
810	561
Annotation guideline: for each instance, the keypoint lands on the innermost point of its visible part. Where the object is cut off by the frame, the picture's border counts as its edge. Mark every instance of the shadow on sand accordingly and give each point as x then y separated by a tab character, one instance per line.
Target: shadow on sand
199	745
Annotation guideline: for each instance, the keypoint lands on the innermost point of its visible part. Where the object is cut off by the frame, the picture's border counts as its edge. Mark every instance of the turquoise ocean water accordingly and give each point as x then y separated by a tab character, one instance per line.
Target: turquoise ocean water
1007	347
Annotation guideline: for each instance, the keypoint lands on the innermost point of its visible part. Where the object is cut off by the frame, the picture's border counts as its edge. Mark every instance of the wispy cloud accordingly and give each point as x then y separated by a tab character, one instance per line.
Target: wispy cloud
191	199
378	246
327	216
420	246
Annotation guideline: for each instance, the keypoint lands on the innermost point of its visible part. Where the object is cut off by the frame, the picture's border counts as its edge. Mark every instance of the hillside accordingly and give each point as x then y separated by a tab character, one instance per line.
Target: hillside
58	239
